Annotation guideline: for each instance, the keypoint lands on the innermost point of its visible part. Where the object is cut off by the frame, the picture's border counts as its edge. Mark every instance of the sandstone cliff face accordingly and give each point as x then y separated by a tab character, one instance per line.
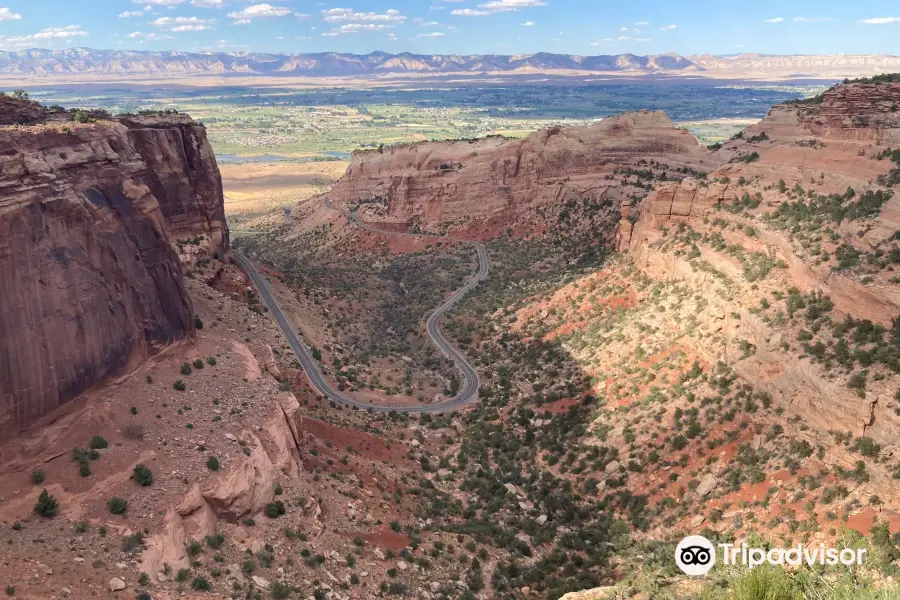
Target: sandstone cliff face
437	182
823	148
183	176
92	285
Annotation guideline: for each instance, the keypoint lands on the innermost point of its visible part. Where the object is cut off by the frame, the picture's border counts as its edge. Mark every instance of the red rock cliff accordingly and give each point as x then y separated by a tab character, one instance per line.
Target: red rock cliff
446	181
91	283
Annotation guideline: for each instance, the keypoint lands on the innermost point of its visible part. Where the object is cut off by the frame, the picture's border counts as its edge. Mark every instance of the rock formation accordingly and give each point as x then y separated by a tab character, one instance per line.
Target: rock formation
183	176
92	283
808	149
441	182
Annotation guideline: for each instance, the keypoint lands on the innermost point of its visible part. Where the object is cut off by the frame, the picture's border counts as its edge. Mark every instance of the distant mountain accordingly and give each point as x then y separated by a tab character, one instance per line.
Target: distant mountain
77	61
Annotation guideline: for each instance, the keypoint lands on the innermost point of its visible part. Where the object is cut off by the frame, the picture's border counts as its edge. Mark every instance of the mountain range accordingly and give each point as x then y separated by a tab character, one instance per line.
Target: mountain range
78	61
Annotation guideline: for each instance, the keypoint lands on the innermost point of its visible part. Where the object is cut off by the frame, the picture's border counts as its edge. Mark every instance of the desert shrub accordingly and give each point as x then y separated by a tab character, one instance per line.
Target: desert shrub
212	463
142	475
280	590
275	509
194	548
201	584
198	363
179	385
38	476
186	369
117	506
46	505
134	542
98	443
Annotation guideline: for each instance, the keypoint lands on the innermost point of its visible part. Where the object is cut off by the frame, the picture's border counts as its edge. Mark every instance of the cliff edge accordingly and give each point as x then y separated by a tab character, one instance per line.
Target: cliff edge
88	216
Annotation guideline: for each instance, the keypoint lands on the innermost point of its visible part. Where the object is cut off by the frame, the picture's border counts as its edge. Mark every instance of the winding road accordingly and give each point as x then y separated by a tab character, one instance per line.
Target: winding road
468	389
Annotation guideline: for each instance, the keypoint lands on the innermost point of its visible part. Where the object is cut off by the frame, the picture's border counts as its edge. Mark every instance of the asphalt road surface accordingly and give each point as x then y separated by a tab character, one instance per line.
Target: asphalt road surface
468	389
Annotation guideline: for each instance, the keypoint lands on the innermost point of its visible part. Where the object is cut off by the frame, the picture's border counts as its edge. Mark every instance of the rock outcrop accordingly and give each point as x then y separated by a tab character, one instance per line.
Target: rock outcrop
441	182
92	282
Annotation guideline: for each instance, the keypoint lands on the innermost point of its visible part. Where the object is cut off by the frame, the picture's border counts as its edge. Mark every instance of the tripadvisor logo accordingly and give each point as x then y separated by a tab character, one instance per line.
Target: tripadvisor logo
695	555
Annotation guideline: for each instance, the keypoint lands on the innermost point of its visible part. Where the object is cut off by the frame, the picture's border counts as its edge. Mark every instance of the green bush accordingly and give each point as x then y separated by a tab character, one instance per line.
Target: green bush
179	385
98	443
38	476
275	509
142	475
46	505
133	543
117	506
212	463
186	369
201	584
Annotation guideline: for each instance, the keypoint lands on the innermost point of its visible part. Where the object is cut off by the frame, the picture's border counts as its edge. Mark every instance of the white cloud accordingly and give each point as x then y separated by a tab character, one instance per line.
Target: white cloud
43	36
528	24
433	34
510	5
667	27
874	21
623	29
642	23
497	6
148	37
357	28
347	14
131	13
602	42
811	19
775	20
208	3
428	23
8	15
643	40
159	2
243	17
181	24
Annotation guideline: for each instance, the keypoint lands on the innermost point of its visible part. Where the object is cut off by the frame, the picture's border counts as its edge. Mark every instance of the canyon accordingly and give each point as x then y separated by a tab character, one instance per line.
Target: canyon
672	339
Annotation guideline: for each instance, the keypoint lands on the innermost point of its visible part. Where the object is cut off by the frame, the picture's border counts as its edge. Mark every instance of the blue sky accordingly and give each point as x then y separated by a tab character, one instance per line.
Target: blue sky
457	26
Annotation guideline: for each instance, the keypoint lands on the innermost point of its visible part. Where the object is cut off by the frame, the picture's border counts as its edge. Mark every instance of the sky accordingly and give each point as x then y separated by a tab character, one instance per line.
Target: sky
586	27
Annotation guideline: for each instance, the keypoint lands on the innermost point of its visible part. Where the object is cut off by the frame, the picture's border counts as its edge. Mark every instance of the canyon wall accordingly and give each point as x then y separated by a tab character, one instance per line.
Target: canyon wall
804	150
434	182
183	176
92	283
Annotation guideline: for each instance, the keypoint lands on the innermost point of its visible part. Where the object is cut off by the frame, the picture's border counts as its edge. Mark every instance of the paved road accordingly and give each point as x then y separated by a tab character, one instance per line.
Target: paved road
468	389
